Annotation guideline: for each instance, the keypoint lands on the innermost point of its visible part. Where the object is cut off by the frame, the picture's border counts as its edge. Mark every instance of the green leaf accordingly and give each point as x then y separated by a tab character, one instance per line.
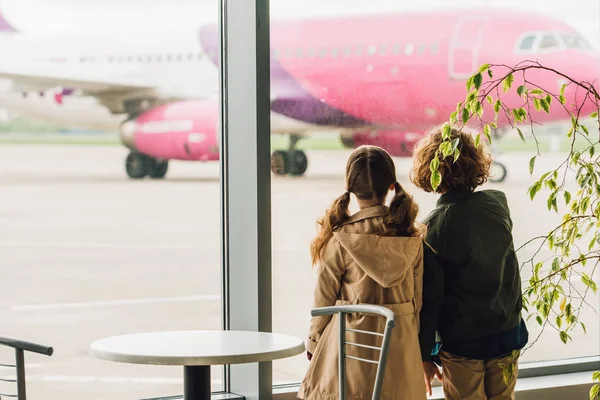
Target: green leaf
489	71
564	337
594	115
532	165
537	104
487	132
497	106
594	392
545	105
456	155
446	131
455	144
484	67
521	135
465	115
508	81
596	376
453	116
559	322
555	264
585	129
583	327
533	190
477	141
562	99
567	197
549	99
446	148
520	90
592	151
490	100
539	320
469	84
434	165
562	89
539	92
436	179
477	80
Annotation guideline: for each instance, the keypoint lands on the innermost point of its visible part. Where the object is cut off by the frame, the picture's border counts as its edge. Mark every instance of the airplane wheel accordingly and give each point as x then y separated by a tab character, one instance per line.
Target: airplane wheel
137	165
298	162
279	162
497	172
347	141
158	169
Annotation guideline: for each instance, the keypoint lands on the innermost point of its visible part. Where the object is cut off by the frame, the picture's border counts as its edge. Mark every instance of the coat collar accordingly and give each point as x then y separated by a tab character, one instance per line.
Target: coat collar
371	212
453	197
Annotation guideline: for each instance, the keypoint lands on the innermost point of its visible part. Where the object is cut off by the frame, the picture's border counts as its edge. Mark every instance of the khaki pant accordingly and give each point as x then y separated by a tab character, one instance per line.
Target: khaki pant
466	379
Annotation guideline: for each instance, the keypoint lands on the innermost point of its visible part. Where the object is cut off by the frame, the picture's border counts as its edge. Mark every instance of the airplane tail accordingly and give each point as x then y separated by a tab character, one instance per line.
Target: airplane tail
5	26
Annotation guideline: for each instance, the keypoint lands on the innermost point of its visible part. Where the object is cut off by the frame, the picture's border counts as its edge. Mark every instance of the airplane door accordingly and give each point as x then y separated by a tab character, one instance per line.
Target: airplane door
465	46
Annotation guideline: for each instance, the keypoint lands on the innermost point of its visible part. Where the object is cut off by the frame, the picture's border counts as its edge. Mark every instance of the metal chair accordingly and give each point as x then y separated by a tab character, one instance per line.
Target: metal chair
21	347
383	350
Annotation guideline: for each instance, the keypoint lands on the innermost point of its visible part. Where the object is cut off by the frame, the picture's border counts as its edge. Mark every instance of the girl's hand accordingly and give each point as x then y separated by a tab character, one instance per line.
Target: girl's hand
309	356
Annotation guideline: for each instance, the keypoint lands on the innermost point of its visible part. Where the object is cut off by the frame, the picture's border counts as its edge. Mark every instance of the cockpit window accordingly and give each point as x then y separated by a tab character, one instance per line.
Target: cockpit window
573	41
527	42
549	41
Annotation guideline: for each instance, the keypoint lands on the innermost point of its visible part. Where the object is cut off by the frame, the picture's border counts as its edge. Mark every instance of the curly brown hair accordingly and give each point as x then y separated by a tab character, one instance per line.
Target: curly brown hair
471	170
370	173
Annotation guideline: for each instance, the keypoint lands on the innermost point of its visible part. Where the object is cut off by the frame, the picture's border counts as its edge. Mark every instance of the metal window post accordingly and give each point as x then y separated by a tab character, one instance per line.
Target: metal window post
246	182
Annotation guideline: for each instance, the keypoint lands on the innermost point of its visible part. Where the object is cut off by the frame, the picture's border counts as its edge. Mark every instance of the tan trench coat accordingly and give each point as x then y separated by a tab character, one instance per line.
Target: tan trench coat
359	267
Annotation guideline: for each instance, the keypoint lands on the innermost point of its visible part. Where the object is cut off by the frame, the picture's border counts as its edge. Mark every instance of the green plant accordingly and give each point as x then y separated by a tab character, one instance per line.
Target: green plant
572	187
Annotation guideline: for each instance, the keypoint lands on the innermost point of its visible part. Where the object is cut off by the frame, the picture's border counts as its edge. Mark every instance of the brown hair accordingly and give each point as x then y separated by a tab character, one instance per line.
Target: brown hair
465	174
370	172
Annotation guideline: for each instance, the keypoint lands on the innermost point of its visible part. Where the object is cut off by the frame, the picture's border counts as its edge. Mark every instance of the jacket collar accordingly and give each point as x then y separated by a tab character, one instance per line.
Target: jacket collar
371	212
453	197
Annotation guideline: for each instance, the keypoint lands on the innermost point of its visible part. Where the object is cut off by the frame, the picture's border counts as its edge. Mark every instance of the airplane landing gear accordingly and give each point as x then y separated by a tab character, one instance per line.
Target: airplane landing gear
497	172
292	162
138	166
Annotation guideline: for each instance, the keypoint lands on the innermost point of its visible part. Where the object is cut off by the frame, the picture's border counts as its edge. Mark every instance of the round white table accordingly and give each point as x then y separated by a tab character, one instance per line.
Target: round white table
196	351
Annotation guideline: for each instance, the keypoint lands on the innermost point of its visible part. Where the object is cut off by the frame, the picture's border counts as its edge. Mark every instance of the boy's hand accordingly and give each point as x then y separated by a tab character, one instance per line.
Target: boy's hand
430	371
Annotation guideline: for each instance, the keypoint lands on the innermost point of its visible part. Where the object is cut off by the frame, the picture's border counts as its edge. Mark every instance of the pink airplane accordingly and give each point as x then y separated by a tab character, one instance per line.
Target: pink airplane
378	78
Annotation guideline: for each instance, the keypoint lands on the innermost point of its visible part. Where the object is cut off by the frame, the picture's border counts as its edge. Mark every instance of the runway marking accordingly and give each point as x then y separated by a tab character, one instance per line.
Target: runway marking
100	245
113	303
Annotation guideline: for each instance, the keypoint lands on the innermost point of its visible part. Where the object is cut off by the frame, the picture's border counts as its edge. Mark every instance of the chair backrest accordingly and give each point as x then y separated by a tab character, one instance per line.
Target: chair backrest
20	347
383	350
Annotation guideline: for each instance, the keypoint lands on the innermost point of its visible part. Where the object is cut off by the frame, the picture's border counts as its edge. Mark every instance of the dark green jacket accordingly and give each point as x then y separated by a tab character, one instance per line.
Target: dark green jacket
471	282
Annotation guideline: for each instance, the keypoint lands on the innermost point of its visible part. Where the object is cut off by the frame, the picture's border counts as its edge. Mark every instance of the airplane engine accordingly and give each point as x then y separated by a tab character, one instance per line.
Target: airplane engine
398	144
184	130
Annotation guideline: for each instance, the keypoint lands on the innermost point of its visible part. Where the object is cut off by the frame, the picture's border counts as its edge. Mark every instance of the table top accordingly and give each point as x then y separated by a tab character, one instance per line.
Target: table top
197	347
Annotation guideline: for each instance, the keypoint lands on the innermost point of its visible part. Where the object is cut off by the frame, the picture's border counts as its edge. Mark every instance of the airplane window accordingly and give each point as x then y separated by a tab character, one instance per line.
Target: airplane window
311	53
168	58
396	49
347	52
334	52
394	70
549	41
575	41
359	51
382	50
372	50
323	53
199	56
434	49
409	49
527	42
421	49
180	57
288	53
299	52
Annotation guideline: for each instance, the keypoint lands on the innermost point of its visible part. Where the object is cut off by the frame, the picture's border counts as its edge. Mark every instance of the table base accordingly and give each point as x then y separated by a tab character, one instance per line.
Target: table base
196	382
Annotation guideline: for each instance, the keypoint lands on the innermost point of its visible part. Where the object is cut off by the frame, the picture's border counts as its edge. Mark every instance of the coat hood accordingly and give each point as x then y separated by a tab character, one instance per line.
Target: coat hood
386	259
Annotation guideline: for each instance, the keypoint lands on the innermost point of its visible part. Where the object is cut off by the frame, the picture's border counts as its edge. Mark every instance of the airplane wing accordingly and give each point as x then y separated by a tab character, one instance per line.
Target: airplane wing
94	82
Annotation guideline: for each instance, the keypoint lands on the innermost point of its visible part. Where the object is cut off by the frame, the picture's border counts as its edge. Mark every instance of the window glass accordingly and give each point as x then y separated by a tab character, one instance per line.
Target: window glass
87	251
391	102
527	42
